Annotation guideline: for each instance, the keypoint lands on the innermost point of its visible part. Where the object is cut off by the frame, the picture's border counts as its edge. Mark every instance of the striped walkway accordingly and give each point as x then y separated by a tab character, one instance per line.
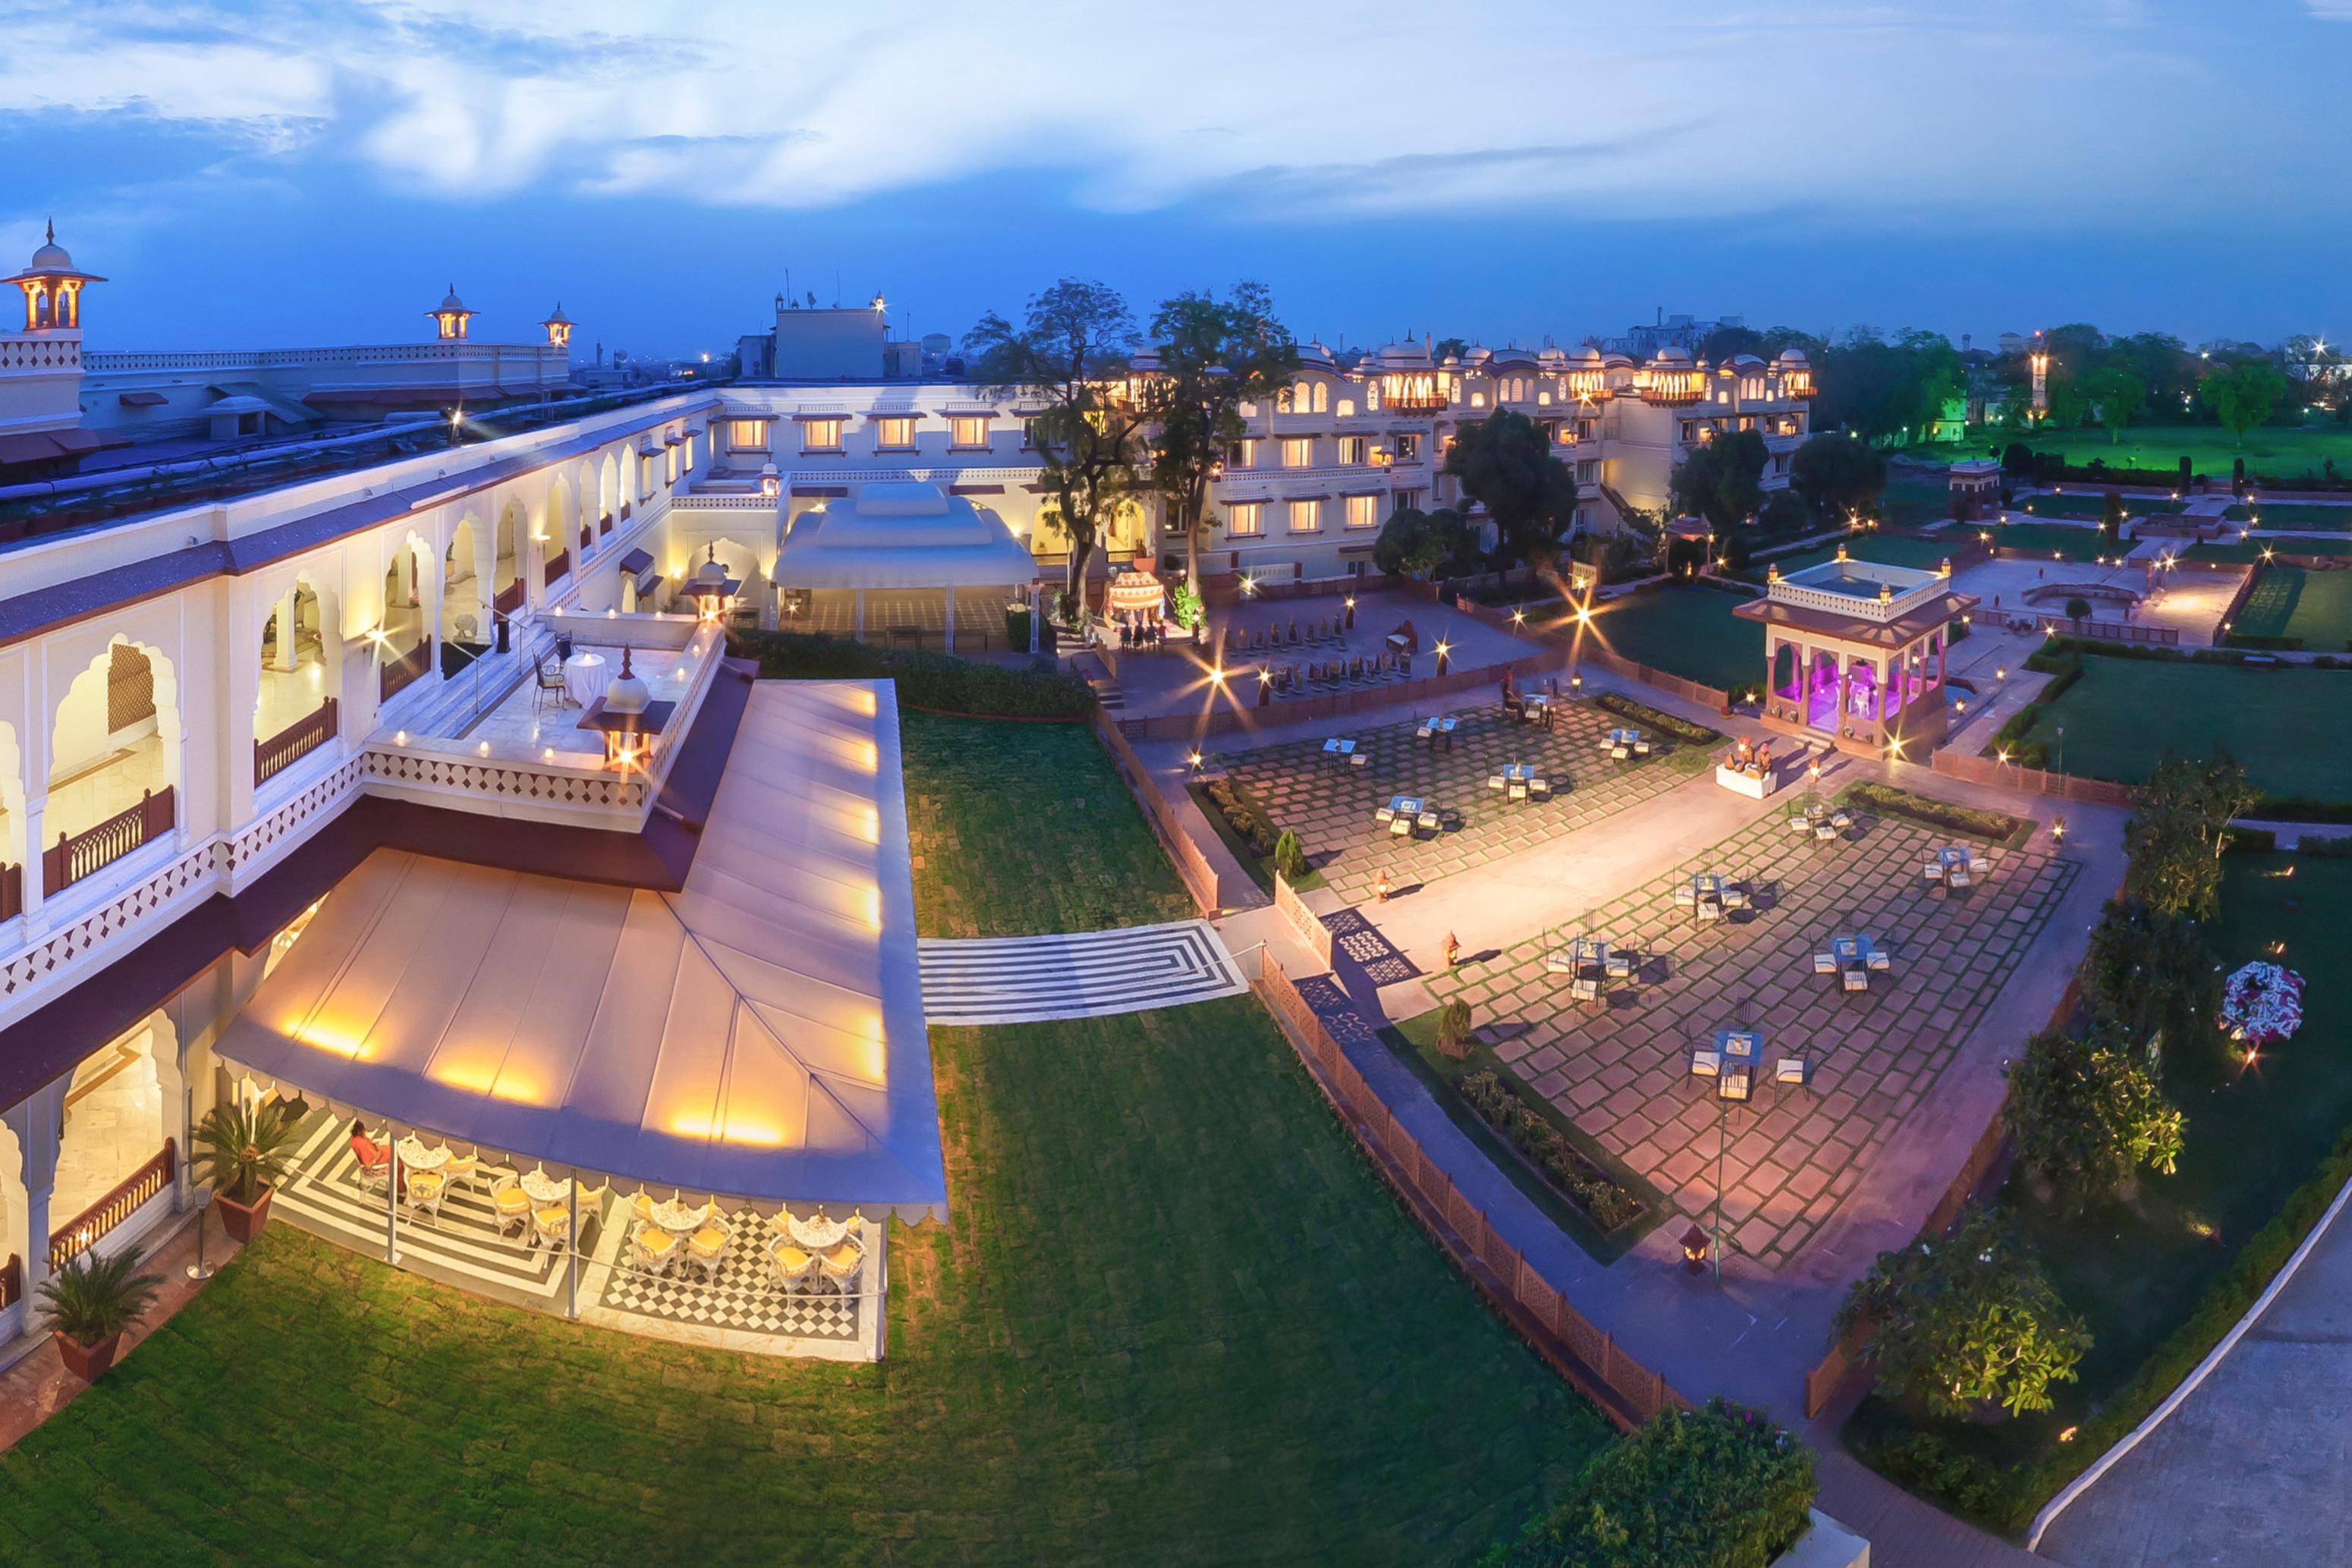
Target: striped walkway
1088	974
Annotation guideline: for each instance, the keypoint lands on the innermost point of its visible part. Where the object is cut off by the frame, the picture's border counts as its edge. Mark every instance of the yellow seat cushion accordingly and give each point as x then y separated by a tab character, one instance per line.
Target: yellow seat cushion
709	1239
656	1241
841	1256
511	1199
792	1259
642	1206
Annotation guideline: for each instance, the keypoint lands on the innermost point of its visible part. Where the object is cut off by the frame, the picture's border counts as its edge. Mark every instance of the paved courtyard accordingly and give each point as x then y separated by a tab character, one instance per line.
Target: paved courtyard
1620	1067
1331	805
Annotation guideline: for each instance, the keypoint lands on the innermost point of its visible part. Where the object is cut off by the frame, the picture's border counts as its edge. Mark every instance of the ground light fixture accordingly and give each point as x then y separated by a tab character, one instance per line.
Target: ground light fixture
1694	1250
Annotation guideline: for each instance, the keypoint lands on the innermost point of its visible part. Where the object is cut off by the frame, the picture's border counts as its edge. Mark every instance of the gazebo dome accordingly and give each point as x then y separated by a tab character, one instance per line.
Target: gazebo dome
450	301
1791	358
1315	356
709	574
50	257
1672	355
627	694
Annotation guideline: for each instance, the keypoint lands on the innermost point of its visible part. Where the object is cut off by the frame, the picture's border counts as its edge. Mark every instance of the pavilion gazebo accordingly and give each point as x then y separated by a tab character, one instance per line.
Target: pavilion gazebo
1854	653
907	549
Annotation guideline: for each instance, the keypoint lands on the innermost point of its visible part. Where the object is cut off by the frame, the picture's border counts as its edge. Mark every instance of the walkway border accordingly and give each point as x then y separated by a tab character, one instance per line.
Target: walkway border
1625	1391
2213	1358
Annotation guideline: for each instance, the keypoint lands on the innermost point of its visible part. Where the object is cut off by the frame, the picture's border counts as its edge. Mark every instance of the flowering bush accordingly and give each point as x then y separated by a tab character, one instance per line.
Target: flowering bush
2261	1003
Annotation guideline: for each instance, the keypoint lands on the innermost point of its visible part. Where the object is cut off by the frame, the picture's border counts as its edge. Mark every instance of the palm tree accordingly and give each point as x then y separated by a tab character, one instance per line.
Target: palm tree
93	1298
244	1148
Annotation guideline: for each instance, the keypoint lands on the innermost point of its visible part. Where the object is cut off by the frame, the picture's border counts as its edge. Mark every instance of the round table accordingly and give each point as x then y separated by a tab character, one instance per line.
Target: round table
585	676
680	1218
540	1187
815	1232
415	1156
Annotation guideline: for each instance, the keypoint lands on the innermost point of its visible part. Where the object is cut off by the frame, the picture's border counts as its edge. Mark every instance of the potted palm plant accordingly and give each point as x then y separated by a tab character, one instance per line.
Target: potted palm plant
87	1303
244	1150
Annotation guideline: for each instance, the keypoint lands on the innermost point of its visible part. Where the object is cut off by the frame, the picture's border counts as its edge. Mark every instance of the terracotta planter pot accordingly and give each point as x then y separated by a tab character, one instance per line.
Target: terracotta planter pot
243	1222
88	1362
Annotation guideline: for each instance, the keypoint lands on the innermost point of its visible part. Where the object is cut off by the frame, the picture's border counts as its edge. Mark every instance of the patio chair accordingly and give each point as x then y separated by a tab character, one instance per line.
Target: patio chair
1496	781
1793	1069
1560	961
550	682
1932	874
1619	965
1620	752
1960	878
1825	830
1684	896
789	1266
1734	1085
1979	864
1539	787
708	1248
1856	979
641	1209
1800	823
461	1170
551	1227
1431	823
1706	1064
1841	821
1359	759
1825	963
1400	827
840	1264
1710	909
510	1208
1734	896
654	1251
1384	814
1881	960
1584	988
375	1161
1641	749
421	1195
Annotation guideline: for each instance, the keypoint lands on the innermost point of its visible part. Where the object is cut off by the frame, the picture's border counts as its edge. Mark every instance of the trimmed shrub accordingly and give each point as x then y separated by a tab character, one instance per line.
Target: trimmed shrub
1643	715
1887	801
1247	819
1289	858
939	682
1584	1184
1454	1029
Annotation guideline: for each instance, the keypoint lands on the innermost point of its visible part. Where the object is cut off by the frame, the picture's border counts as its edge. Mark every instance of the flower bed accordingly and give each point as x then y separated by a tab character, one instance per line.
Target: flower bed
1663	723
2261	1004
1999	827
1591	1190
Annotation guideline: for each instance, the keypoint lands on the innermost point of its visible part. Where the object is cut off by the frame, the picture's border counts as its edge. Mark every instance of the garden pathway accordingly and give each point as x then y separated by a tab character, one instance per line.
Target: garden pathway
1074	974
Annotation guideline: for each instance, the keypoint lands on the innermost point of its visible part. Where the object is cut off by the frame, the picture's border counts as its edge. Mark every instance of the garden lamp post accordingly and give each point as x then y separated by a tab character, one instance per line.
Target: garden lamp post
201	1270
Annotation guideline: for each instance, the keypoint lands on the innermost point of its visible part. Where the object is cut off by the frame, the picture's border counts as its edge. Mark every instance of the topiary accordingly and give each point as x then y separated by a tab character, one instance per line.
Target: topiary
1454	1029
1289	858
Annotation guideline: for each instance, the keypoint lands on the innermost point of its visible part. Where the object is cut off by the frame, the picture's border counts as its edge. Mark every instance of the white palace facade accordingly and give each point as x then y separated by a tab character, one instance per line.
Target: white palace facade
291	803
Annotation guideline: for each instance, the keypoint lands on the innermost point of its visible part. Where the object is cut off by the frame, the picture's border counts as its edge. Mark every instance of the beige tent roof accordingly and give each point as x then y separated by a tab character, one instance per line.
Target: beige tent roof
759	1033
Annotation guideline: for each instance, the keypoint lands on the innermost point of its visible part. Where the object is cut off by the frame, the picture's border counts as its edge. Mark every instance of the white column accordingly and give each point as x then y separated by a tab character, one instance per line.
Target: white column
34	810
1037	633
284	658
572	1253
951	597
38	1122
172	1088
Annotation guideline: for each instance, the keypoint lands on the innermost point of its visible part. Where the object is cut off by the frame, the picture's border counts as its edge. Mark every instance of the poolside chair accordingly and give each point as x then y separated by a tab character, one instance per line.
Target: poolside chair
789	1266
654	1251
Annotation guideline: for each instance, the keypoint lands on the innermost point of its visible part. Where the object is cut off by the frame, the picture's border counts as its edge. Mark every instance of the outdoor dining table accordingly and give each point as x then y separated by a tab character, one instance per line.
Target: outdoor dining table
1702	893
1408	807
415	1156
543	1188
1519	778
1951	864
1340	747
1738	1047
1853	958
1623	743
1433	729
680	1218
1585	961
815	1232
585	678
1539	706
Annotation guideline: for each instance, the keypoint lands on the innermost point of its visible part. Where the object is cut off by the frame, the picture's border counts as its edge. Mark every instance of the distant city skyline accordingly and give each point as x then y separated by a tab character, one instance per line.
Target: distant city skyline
1530	170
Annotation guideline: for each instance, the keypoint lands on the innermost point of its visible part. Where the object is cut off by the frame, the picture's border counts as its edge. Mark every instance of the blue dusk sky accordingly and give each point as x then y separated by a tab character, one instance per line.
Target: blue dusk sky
310	173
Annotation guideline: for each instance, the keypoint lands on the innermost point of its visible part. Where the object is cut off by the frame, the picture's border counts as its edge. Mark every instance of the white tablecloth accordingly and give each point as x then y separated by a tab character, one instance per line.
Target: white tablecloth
815	1232
585	676
680	1218
415	1156
544	1189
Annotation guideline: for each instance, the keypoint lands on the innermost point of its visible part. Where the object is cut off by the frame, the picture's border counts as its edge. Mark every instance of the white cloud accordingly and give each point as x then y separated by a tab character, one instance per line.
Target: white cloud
1376	107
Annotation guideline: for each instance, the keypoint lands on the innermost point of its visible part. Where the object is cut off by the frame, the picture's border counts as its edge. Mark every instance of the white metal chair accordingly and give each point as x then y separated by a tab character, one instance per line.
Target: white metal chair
1684	896
423	1194
790	1266
708	1246
840	1264
1800	823
510	1207
551	1227
1734	896
1960	878
1560	961
461	1170
1825	830
654	1251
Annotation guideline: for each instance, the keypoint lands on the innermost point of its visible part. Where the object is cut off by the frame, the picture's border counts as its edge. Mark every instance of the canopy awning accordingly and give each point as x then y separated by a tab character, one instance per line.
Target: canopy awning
902	535
758	1034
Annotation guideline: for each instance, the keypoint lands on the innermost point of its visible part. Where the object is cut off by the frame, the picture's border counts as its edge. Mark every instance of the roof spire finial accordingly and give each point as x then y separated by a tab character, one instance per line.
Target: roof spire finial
53	231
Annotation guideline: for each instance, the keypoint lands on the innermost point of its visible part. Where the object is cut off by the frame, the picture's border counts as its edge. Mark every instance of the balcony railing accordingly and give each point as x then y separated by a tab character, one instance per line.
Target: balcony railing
12	891
297	740
558	564
508	599
75	855
86	1229
397	675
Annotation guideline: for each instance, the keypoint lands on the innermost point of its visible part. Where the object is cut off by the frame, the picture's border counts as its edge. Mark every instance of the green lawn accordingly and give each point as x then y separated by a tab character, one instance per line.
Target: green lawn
2288	601
2136	1267
2093	504
2295	515
1686	631
1914	503
2279	453
1175	1319
2051	539
2286	725
2251	551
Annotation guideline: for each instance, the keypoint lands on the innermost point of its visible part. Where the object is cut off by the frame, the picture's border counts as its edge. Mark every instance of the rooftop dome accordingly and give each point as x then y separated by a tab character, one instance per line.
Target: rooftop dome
1792	357
627	694
1672	355
450	301
1588	355
709	574
1315	355
1403	357
50	257
558	319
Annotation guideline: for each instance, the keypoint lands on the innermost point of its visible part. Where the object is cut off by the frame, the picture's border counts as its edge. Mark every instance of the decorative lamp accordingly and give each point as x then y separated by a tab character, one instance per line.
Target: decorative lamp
772	483
1841	554
710	587
1694	1250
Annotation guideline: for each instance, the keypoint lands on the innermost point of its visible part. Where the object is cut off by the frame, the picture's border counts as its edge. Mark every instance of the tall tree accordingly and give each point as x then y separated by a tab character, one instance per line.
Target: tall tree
1414	543
1837	474
2242	395
1506	464
2119	392
1072	352
1725	341
2087	1114
1214	356
1722	480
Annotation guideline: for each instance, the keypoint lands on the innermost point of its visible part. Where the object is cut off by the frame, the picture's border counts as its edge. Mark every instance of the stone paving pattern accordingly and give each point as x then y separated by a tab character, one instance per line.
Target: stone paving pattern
1621	1068
1331	805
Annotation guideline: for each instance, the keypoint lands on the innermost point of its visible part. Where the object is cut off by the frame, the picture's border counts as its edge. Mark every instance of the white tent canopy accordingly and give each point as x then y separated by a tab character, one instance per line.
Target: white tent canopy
901	535
757	1034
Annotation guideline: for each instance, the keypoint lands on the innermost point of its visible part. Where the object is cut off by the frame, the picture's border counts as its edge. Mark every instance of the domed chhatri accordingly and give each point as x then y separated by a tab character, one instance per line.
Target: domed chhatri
450	316
52	287
628	692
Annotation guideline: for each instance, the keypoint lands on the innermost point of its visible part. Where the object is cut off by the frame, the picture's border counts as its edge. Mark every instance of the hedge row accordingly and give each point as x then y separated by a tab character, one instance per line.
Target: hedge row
1886	800
1663	723
939	682
1244	815
1591	1190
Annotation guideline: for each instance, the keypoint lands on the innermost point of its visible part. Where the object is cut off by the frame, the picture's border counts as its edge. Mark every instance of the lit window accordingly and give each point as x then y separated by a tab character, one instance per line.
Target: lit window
968	430
1363	511
1372	398
1245	453
1352	449
895	434
1246	520
1409	447
1305	516
1249	410
1478	400
747	436
1347	408
1299	452
1322	398
1302	397
820	435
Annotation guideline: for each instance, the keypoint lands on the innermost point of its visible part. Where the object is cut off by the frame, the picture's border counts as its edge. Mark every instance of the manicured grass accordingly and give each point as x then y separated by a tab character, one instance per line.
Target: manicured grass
2050	540
2282	453
2093	504
2295	515
2251	551
1175	1319
2285	725
2288	601
2136	1268
1685	632
1914	503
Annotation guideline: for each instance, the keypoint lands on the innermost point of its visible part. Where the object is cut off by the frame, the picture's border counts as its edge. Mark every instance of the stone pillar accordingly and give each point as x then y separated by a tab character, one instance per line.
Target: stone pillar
285	659
176	1093
1844	692
35	806
38	1122
1036	633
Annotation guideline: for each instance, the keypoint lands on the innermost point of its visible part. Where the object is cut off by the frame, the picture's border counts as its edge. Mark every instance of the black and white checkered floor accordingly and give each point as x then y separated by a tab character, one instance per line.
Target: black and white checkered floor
742	1297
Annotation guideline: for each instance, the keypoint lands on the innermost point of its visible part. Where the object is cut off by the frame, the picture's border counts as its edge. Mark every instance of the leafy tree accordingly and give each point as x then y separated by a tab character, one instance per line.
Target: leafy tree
1506	464
1966	1319
2119	392
2178	831
2017	460
1837	475
2150	976
1448	348
1072	352
1884	390
2111	519
2242	395
1726	341
2087	1113
1214	356
2064	398
1718	1487
1721	480
1414	543
1784	512
2078	609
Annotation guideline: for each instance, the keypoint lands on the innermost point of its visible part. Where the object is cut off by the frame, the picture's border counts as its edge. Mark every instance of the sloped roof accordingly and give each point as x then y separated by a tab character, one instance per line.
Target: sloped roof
759	1033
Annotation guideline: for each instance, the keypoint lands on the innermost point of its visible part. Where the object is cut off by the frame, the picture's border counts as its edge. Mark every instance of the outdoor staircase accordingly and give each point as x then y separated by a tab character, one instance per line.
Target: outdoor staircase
1106	685
452	710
